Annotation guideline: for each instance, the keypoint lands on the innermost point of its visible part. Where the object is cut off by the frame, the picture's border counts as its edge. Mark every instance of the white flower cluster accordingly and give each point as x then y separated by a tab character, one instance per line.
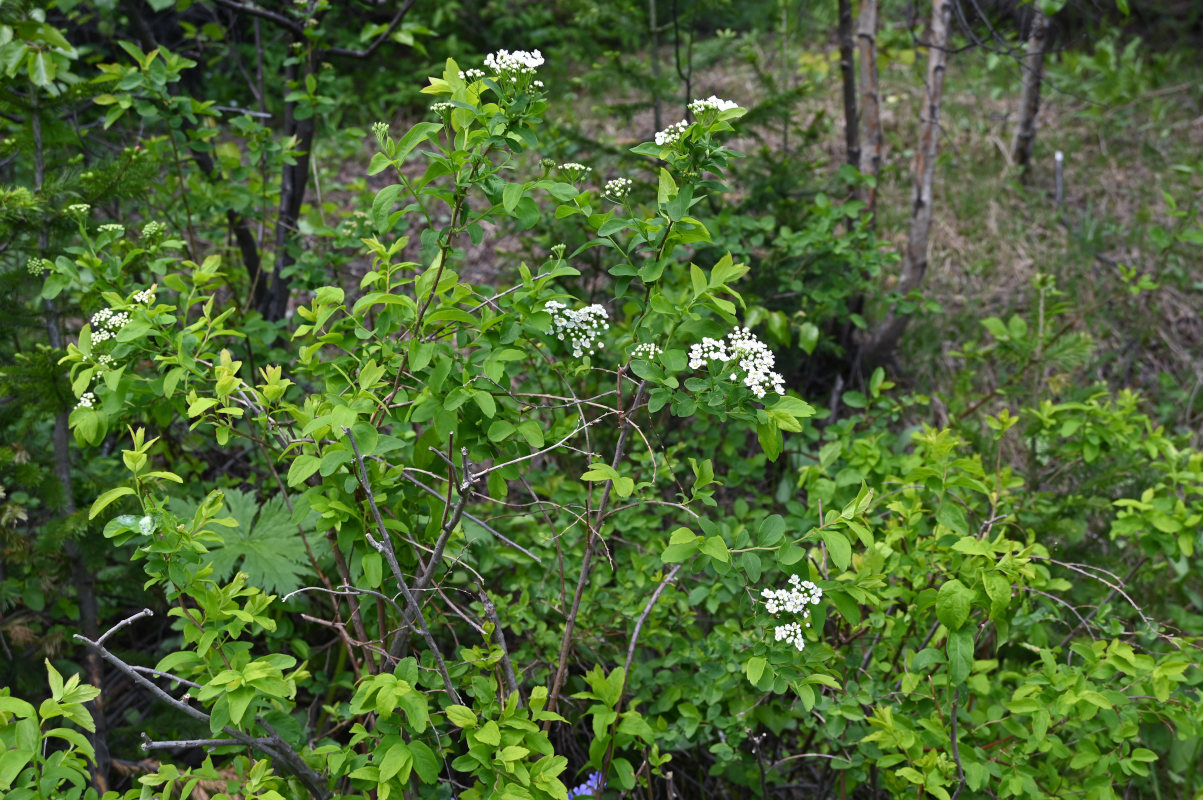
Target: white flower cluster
104	360
647	351
750	354
106	323
672	134
36	266
711	103
79	209
441	108
112	227
794	600
519	62
574	171
145	296
791	633
618	188
153	230
86	400
757	361
709	350
582	327
471	74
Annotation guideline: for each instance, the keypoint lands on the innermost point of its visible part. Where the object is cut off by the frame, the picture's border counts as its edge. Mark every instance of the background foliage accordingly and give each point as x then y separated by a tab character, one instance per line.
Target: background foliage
309	488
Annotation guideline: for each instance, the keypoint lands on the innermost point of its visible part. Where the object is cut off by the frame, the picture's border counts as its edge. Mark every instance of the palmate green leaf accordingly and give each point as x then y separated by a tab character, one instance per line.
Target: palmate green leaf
266	545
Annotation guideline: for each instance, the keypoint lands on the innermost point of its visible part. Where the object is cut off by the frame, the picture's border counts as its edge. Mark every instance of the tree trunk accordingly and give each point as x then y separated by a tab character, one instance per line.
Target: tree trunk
654	31
1029	106
271	300
848	76
914	261
81	573
870	111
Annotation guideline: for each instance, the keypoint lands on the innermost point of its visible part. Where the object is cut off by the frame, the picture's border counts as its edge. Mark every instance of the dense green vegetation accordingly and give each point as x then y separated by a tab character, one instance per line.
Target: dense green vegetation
391	412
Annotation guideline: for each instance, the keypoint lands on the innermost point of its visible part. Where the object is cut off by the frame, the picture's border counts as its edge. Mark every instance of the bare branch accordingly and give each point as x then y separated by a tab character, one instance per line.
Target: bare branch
385	548
290	25
275	747
379	40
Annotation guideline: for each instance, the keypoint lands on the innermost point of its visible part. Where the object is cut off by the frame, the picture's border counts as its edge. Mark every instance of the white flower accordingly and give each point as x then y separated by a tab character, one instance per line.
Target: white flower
791	633
750	355
471	74
709	350
672	134
711	103
582	327
78	209
86	400
146	296
518	62
647	351
794	600
442	108
574	171
153	230
618	188
112	227
108	318
104	360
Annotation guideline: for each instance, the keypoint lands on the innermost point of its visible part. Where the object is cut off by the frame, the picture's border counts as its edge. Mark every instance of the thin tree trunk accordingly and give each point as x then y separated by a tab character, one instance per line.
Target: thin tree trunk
654	30
914	261
870	110
848	76
272	300
81	574
1029	106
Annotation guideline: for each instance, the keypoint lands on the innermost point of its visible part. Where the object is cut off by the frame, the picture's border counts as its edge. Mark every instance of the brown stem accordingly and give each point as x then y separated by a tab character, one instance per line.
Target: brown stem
592	535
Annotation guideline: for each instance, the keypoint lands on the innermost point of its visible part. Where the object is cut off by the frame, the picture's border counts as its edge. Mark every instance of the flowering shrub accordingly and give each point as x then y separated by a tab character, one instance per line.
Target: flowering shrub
427	448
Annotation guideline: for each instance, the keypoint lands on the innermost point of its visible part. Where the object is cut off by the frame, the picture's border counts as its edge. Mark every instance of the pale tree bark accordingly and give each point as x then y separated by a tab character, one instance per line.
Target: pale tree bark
848	76
914	260
1029	106
870	110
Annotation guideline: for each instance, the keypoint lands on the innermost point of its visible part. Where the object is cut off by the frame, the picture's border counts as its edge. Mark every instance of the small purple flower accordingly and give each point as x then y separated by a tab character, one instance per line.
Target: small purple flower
592	787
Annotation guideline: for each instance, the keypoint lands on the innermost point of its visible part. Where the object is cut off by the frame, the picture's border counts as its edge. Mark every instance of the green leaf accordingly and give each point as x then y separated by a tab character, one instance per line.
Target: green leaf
382	206
952	604
960	655
998	589
769	436
426	763
41	68
681	545
265	544
808	337
396	760
413	137
754	669
667	189
838	548
461	716
952	516
501	430
107	498
489	733
511	195
531	432
12	762
716	548
302	467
